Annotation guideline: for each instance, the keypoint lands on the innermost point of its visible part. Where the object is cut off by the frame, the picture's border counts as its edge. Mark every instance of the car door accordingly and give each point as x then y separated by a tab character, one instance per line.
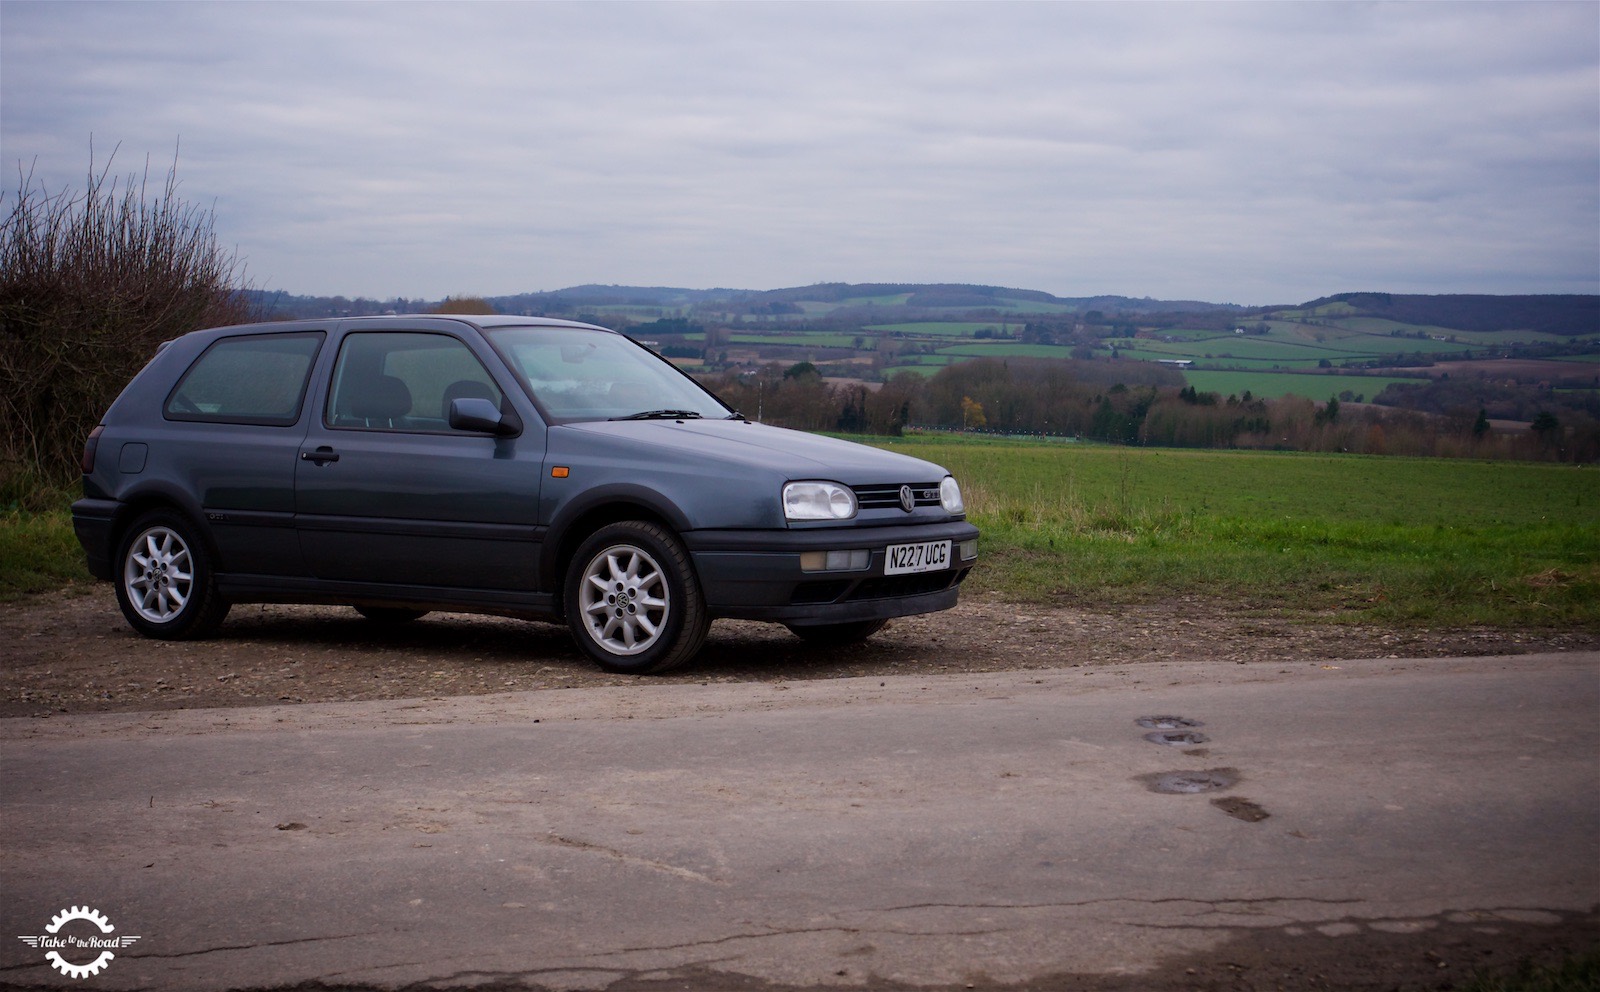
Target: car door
230	431
387	494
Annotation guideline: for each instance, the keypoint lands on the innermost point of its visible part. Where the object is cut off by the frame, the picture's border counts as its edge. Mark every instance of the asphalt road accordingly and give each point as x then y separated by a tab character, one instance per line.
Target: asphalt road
939	831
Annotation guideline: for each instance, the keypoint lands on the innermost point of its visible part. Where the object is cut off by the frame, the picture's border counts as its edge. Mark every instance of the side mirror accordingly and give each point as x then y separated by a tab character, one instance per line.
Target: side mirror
474	414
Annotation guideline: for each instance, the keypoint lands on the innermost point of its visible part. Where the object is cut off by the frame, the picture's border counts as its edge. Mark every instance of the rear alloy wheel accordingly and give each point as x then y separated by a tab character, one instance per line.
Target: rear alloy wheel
167	587
632	600
833	635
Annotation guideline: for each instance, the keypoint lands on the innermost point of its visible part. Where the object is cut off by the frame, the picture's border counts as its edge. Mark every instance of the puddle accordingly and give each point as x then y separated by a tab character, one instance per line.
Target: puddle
1177	738
1185	783
1167	722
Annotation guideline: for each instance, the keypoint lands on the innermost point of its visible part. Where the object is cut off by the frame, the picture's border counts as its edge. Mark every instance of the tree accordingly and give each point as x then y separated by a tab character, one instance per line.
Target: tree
1547	429
464	305
972	416
91	283
1480	427
715	339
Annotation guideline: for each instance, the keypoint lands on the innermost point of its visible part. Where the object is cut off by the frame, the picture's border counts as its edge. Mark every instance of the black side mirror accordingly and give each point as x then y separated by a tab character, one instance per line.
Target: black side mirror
474	414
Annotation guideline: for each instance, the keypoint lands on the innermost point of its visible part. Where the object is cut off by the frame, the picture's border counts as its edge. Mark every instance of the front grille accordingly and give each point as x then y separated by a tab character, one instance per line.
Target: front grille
896	586
887	496
881	587
810	593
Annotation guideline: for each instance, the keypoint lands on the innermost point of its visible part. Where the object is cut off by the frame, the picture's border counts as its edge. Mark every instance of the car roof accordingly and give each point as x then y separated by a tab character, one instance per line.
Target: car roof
412	319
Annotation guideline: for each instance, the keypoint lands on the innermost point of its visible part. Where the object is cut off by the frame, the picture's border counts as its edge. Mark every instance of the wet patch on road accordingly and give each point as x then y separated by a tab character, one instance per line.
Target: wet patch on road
1167	723
1189	782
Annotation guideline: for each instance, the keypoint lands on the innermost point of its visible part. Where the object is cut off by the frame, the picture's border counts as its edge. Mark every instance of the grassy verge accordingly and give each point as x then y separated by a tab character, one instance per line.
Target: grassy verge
1387	540
38	552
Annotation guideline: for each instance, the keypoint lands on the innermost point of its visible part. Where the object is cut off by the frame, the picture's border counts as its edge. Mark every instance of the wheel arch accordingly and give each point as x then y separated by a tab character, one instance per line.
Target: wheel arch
601	508
137	505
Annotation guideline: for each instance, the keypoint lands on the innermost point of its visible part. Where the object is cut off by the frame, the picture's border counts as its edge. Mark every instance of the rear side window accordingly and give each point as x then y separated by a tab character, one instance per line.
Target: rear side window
253	379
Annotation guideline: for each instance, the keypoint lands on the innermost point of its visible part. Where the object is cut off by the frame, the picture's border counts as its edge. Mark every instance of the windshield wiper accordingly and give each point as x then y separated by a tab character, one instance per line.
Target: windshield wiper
661	415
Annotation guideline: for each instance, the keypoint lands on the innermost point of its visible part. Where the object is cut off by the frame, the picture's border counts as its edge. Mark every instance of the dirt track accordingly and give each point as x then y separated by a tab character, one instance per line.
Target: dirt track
71	652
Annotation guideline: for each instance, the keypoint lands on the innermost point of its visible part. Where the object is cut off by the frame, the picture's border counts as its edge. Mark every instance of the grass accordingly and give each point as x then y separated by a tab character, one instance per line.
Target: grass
1578	973
1263	385
1005	350
1384	540
943	328
38	552
809	339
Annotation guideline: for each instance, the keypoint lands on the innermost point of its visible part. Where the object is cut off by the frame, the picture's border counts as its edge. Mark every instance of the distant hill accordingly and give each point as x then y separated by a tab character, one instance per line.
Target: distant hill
961	296
1566	315
1570	315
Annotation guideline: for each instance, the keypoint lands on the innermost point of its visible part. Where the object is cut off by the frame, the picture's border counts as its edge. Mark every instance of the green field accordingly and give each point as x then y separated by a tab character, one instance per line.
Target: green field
936	329
927	367
795	340
1267	385
1290	342
1006	350
1387	540
1240	364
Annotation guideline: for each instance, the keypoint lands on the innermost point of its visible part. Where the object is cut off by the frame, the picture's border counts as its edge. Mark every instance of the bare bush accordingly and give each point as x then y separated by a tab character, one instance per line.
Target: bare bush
91	283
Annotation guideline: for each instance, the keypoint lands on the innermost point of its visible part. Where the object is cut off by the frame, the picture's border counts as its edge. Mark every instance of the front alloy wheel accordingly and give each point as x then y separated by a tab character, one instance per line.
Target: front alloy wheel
632	599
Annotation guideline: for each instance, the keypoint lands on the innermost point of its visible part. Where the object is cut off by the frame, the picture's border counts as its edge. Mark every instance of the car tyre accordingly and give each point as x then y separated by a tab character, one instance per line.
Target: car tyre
390	615
837	634
632	600
166	582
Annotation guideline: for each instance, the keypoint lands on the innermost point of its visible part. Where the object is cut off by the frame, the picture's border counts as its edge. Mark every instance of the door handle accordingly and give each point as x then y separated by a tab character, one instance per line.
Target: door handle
321	456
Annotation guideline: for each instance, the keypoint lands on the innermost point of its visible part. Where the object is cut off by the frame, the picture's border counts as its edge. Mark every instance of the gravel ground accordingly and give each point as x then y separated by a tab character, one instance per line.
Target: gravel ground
71	652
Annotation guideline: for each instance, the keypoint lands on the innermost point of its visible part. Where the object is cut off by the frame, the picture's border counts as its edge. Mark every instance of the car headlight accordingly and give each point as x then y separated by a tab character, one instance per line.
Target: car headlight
818	501
950	496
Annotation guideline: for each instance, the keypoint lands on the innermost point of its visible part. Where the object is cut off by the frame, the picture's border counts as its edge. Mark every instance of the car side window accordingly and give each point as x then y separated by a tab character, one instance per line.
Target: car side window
252	379
404	381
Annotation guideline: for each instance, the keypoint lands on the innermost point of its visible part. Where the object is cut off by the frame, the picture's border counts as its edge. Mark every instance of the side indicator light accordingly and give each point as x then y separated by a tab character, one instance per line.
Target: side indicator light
560	472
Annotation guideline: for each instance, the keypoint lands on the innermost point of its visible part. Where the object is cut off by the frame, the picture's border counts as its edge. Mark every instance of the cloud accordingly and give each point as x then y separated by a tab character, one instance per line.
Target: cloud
1247	153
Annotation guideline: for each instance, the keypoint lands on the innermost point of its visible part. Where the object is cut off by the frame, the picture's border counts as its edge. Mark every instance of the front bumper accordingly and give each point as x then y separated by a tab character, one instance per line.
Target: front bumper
756	575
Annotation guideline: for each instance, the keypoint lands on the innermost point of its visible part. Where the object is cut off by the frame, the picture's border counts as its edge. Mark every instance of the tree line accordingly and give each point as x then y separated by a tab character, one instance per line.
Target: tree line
1138	404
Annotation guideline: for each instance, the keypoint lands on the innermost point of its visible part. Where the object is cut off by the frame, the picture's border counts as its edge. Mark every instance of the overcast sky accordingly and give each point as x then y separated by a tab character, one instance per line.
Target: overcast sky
1253	153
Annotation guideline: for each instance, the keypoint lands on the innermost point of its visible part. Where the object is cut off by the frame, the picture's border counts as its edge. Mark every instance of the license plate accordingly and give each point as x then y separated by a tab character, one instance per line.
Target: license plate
902	559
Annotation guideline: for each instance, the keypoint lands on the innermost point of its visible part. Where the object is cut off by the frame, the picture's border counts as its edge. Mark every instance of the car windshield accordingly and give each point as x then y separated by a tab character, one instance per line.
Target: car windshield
578	374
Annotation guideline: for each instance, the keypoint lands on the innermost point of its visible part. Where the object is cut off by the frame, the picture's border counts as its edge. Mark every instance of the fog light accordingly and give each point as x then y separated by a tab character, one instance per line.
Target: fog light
834	561
968	549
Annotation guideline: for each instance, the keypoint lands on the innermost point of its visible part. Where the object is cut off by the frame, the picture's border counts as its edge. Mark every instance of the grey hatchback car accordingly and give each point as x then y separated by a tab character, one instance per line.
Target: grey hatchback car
517	466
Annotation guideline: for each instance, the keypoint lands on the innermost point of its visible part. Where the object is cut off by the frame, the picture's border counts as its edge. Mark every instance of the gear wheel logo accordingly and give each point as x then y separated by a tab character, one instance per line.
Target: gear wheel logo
54	942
